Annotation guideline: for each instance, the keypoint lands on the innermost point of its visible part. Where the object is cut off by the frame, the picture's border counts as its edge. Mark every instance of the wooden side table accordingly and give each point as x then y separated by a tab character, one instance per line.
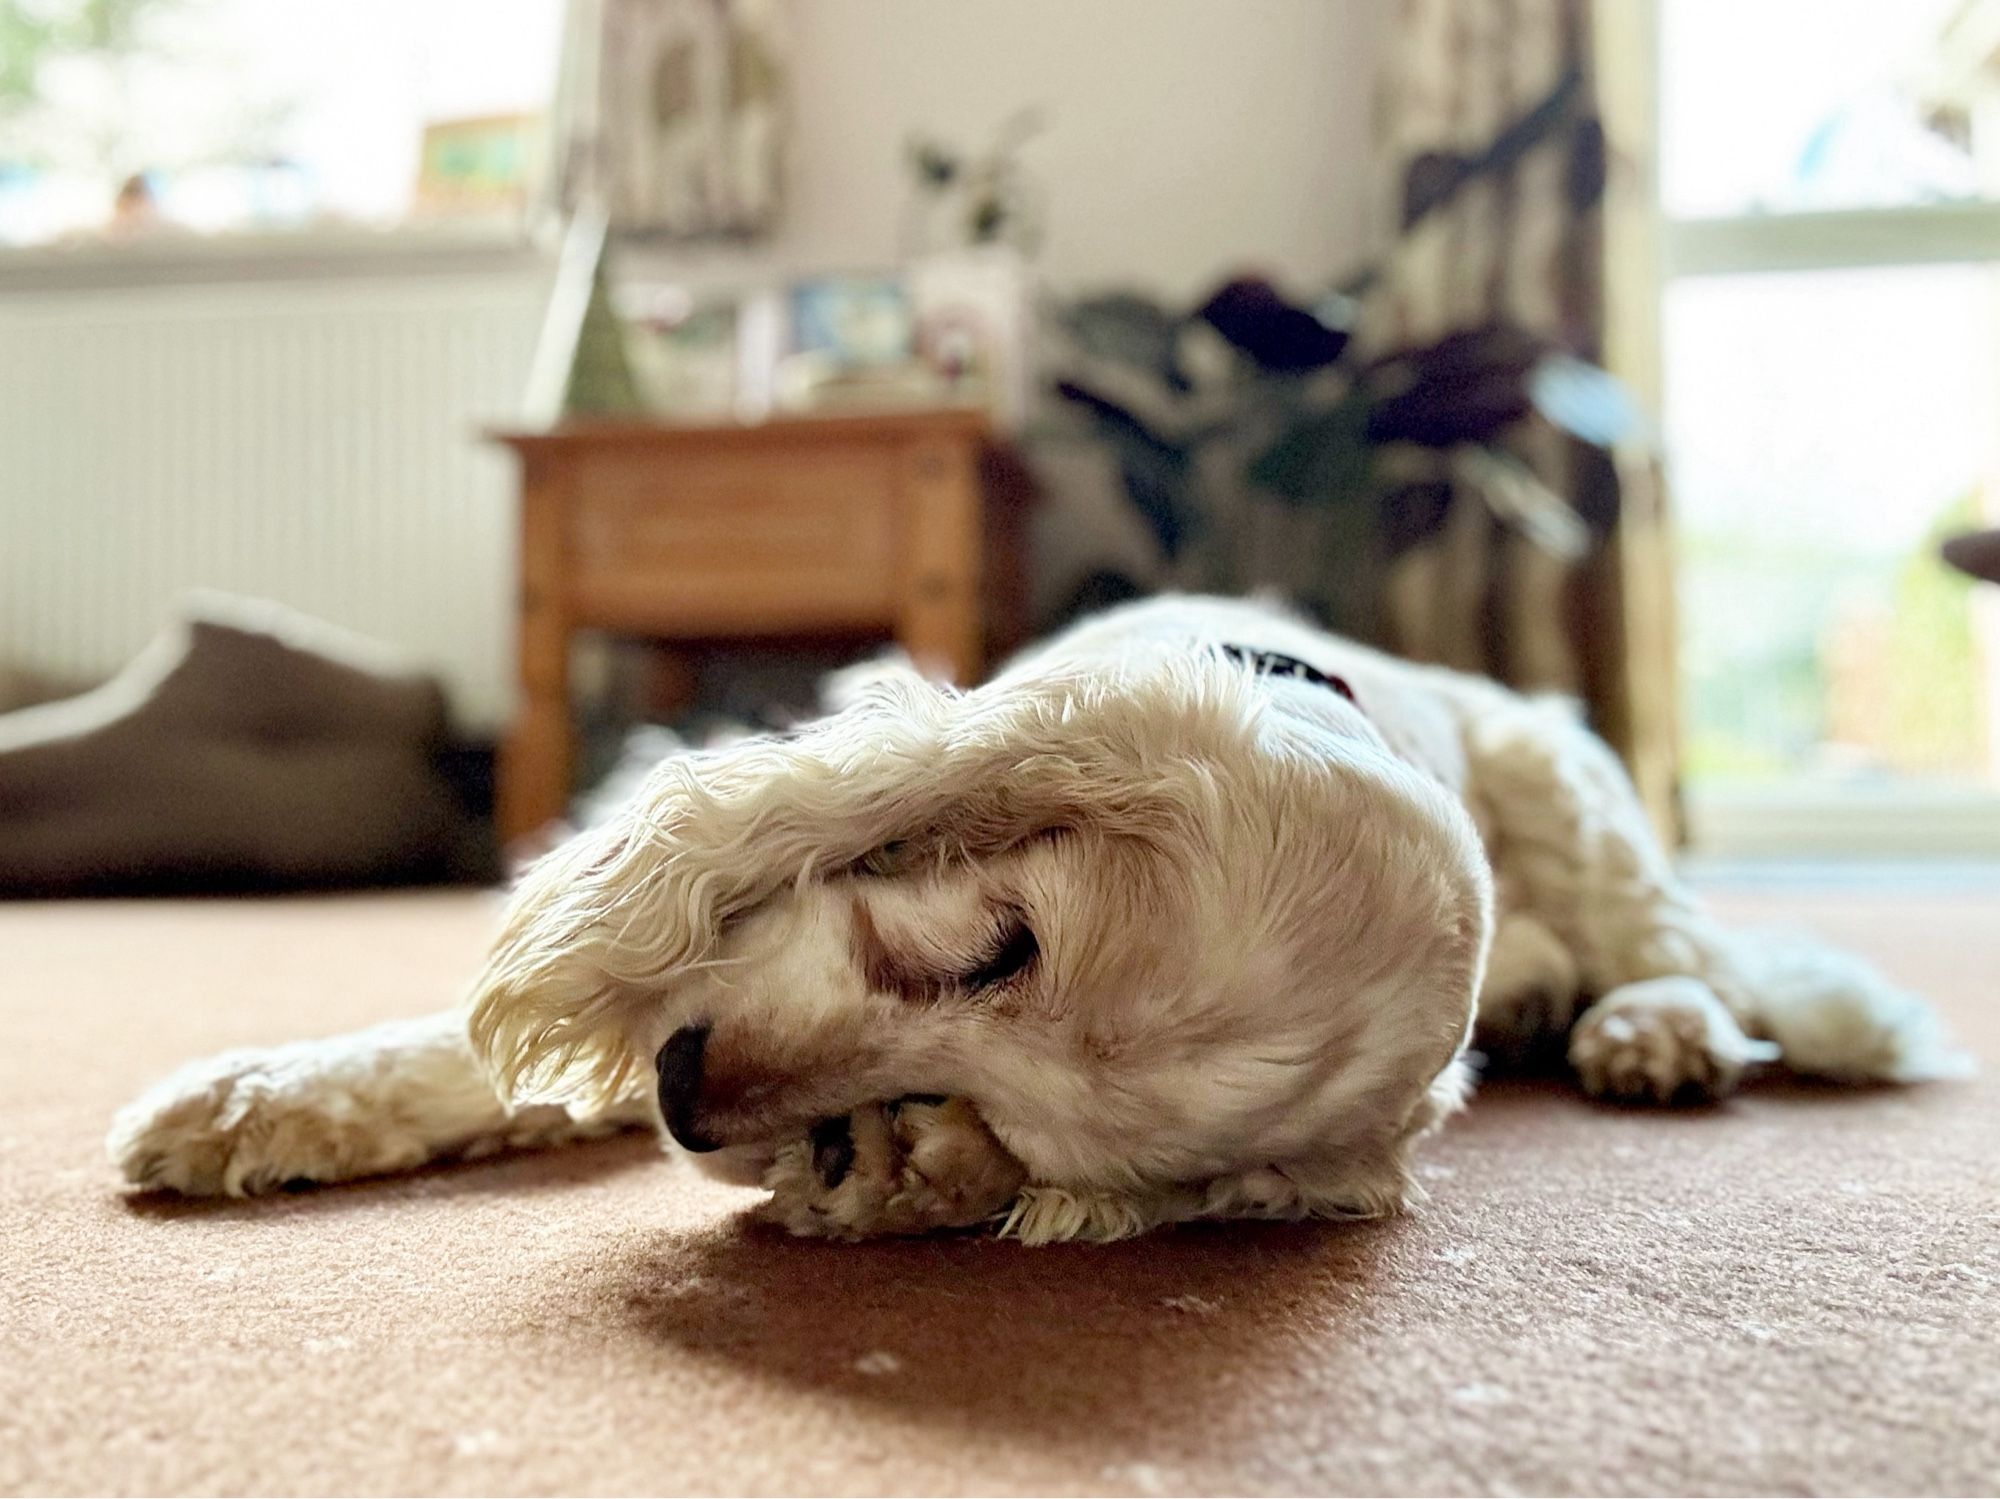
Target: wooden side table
906	526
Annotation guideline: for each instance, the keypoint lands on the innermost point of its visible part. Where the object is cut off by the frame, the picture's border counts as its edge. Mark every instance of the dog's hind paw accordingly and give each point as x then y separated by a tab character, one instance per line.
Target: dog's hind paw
1666	1039
899	1168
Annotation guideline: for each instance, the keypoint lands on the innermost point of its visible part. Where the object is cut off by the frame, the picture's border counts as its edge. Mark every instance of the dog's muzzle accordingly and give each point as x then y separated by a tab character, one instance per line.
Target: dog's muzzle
680	1067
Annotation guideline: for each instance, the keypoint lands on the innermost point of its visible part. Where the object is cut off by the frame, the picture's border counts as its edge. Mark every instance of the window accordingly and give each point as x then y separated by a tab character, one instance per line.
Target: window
151	118
1831	178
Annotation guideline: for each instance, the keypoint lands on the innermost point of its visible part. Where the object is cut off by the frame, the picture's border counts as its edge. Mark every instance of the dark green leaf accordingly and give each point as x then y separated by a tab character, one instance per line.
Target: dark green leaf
1323	457
1131	329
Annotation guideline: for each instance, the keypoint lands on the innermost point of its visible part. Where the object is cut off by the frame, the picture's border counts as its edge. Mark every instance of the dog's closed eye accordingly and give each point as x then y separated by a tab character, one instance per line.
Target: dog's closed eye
925	978
1014	956
891	859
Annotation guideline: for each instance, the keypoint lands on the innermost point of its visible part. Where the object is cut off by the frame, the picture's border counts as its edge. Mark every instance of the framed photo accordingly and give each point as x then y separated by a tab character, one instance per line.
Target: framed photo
472	166
854	323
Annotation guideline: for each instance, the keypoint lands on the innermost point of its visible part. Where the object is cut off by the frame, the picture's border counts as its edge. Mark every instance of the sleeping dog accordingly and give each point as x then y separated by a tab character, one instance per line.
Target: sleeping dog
1193	911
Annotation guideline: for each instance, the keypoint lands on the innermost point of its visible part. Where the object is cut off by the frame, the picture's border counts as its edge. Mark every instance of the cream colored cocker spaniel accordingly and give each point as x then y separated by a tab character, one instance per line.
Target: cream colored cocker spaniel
1191	912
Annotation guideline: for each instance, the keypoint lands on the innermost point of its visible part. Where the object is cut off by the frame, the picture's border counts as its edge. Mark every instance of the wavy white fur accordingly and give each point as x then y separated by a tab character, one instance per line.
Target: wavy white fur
1259	922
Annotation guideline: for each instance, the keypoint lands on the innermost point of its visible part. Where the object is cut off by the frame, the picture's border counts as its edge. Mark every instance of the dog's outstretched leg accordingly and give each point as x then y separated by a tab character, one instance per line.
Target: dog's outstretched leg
1685	1004
376	1101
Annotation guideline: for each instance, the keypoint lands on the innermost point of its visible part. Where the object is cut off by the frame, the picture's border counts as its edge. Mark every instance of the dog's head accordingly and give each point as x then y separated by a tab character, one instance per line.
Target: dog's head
1160	926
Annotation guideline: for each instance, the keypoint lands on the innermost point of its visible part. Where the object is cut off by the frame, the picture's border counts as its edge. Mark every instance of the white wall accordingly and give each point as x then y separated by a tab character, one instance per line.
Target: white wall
311	441
284	440
1185	138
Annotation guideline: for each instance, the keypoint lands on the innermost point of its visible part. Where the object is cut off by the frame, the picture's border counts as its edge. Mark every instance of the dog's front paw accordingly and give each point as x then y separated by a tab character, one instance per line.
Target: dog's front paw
1666	1039
898	1168
250	1121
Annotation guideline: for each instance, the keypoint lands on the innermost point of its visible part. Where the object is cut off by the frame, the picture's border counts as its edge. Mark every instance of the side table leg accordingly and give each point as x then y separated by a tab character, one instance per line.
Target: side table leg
535	760
939	621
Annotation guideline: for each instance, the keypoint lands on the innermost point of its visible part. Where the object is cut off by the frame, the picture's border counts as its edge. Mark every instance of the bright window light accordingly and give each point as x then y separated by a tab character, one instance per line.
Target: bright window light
1783	106
127	117
1830	416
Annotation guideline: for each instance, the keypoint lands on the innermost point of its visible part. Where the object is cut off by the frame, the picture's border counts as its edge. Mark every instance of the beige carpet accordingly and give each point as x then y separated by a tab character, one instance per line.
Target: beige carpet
1797	1293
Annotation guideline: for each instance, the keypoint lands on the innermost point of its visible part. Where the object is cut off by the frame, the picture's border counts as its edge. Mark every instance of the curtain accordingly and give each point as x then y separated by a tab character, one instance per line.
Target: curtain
670	115
1516	134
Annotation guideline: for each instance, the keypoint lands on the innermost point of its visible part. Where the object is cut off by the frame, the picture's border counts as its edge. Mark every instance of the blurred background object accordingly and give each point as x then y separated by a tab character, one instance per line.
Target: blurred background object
671	115
241	116
1830	378
244	749
1405	311
1976	553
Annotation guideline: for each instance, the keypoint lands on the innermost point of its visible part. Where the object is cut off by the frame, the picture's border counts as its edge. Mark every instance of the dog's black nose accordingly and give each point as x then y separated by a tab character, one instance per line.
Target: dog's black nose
679	1064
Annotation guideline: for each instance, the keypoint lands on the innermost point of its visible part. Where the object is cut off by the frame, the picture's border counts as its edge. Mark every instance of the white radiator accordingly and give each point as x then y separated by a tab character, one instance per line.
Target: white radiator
314	442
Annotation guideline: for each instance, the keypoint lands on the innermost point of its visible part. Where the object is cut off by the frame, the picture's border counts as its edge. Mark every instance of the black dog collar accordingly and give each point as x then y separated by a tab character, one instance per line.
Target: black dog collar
1272	664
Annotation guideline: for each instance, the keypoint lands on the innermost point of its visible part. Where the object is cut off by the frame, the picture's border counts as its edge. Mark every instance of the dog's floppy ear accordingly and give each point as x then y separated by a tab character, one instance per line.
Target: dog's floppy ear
602	925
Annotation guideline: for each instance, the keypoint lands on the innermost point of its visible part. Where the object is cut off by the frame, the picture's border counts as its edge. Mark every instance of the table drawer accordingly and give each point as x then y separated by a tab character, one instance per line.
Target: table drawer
762	540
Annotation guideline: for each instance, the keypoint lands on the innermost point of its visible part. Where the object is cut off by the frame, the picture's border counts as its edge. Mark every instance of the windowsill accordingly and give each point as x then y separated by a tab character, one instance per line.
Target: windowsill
1922	822
1839	239
295	255
1876	874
